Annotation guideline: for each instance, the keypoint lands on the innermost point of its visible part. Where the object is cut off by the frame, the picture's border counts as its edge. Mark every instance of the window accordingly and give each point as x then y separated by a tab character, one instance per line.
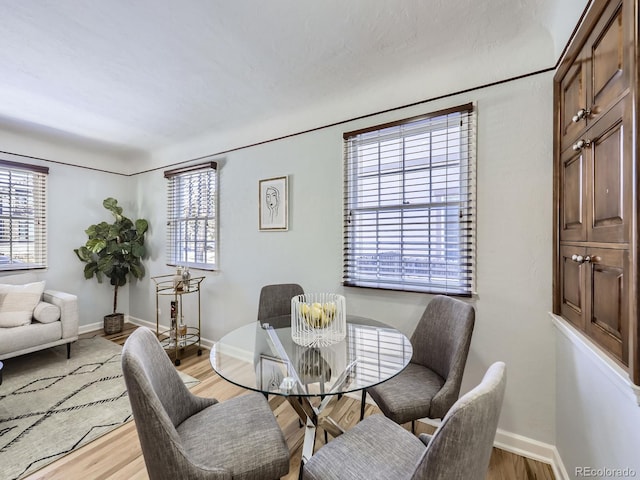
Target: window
409	207
192	216
23	216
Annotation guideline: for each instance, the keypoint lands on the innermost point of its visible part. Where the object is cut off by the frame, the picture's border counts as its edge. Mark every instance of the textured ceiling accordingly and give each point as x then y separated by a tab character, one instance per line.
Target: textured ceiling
137	76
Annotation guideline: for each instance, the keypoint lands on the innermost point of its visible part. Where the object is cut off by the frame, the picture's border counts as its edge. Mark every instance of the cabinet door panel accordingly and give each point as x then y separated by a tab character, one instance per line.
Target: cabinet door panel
573	183
573	97
607	67
572	286
609	180
607	299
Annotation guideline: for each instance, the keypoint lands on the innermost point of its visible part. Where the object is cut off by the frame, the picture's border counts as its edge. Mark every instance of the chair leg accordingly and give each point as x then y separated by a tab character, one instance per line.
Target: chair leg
68	350
300	425
364	400
413	427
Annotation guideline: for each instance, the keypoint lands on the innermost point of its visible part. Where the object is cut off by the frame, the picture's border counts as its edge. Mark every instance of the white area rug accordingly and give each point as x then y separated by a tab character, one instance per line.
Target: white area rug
50	406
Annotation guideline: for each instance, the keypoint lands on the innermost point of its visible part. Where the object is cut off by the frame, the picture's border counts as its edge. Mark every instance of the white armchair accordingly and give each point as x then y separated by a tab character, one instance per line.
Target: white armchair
54	322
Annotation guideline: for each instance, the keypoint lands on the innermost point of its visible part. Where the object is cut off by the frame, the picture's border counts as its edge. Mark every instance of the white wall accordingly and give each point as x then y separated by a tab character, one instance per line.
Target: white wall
597	414
514	241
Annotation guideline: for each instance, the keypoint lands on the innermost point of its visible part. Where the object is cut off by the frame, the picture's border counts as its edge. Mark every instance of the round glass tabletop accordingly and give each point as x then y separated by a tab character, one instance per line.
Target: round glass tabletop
266	359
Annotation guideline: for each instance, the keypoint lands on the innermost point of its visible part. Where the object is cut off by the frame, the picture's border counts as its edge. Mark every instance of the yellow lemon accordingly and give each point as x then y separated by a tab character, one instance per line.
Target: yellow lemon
329	308
316	315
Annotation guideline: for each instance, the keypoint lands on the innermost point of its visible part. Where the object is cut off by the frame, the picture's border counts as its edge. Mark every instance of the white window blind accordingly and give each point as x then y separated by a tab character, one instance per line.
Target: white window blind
192	216
23	216
409	205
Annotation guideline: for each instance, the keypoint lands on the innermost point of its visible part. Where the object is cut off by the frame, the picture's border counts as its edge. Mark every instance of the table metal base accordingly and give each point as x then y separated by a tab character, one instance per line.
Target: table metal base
312	418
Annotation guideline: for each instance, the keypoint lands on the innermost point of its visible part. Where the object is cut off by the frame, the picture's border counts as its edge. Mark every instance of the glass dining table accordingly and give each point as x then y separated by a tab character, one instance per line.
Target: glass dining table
265	359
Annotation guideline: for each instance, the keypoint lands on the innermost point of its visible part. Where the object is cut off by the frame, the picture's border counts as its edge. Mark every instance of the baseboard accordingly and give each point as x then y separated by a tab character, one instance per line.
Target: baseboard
533	449
513	443
92	327
559	470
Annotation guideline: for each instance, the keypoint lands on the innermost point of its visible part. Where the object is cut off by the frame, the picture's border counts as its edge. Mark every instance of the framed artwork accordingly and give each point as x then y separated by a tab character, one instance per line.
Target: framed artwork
272	372
273	204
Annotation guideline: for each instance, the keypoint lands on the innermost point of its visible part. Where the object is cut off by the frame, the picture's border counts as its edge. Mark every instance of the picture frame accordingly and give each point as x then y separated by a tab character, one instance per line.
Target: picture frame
272	372
273	204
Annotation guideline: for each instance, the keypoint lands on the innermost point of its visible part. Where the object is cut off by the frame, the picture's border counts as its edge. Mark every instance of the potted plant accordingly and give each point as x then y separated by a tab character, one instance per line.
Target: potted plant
114	250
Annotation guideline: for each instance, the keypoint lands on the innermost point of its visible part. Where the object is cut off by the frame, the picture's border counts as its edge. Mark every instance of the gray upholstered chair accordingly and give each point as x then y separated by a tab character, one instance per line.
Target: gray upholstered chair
185	436
431	382
274	306
378	448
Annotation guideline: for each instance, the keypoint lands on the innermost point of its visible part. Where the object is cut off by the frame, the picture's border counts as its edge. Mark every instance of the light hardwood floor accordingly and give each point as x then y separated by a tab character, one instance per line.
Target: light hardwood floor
117	455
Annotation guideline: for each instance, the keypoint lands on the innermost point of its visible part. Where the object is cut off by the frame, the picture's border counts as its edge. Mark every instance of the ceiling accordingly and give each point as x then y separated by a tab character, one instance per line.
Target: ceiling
134	77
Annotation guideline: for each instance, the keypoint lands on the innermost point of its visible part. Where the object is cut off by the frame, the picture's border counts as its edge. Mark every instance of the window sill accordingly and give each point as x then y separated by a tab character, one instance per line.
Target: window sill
607	366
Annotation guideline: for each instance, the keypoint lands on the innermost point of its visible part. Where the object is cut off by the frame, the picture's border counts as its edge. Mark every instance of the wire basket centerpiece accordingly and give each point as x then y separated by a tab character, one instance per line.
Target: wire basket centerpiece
318	319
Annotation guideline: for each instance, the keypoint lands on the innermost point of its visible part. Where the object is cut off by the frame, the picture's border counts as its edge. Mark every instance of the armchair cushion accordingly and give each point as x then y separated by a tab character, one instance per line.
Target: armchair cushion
69	315
237	440
408	396
374	448
46	312
17	303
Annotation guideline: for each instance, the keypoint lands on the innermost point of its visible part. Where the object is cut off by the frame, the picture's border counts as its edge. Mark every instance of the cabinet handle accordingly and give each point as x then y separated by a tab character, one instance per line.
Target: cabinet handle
580	115
580	144
580	259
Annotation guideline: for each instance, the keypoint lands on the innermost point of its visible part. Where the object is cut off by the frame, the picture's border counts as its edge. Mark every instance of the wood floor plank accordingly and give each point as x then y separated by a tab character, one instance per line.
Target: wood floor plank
117	455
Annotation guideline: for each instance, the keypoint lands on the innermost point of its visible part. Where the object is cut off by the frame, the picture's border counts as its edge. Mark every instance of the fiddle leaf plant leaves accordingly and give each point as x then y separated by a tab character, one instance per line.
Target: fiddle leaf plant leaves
141	226
137	271
138	250
114	250
96	245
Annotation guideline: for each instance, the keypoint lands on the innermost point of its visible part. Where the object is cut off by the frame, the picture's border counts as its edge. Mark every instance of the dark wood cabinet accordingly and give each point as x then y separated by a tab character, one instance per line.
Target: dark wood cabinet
594	295
595	266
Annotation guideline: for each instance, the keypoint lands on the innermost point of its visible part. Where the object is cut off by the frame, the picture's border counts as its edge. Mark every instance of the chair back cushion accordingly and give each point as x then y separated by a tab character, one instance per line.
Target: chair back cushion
461	446
443	335
275	300
17	303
